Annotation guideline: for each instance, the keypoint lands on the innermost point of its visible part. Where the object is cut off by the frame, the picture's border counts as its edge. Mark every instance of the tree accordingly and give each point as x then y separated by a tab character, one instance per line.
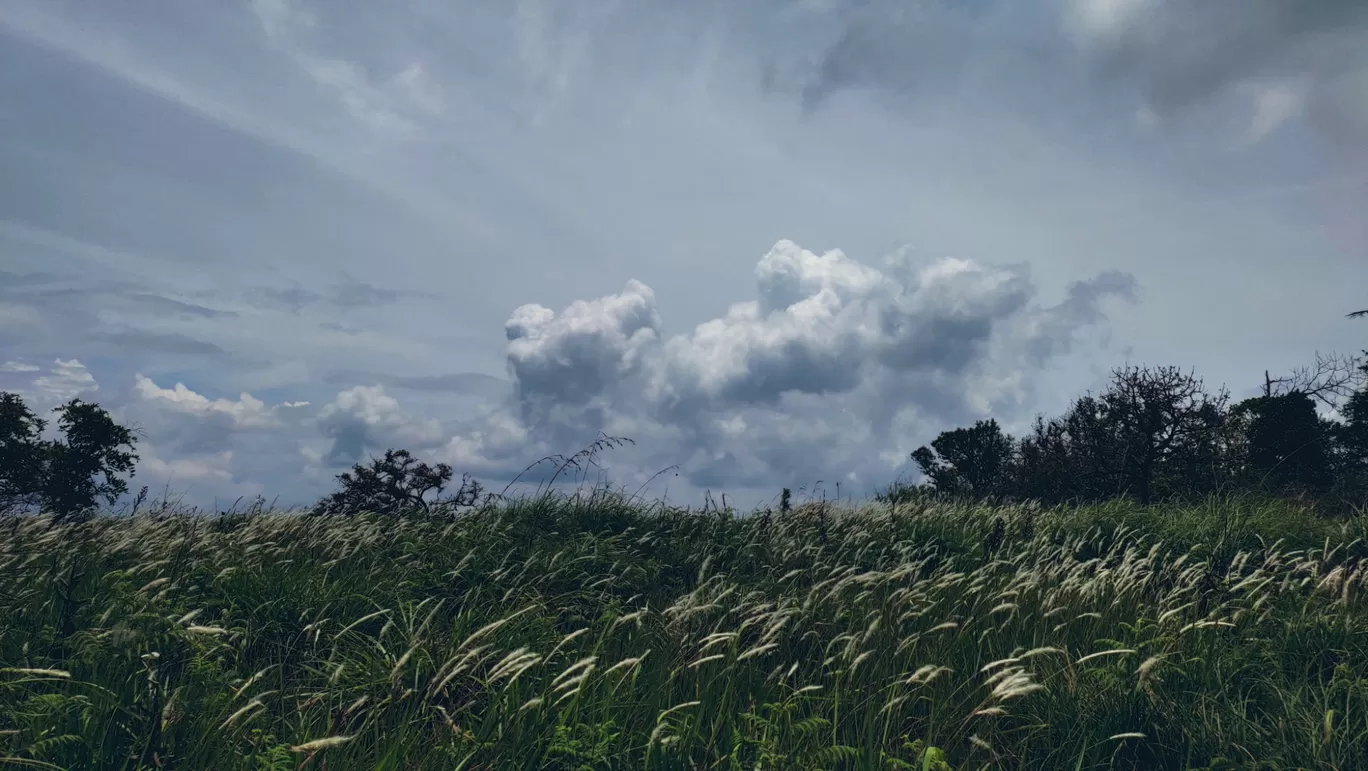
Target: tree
1044	461
1159	414
67	476
1072	457
1330	380
971	462
1289	447
21	454
84	467
395	484
1093	467
1351	437
1288	444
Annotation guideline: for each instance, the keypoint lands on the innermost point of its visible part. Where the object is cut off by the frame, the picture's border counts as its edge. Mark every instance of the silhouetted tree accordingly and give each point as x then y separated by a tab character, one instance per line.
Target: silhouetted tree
1154	431
1043	467
1157	415
1094	468
1072	457
1351	438
21	454
1288	444
68	476
395	484
970	462
83	467
1329	380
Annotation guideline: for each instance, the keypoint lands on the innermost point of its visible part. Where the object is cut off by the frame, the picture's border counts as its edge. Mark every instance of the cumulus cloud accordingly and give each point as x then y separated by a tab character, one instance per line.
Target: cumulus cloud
46	388
245	411
366	419
265	443
830	369
65	380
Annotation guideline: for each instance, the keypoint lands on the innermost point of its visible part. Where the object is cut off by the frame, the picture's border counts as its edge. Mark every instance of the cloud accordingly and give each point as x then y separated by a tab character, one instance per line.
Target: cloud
365	419
19	366
162	342
114	315
45	389
1271	61
347	294
1274	105
245	411
226	447
834	367
903	46
179	422
573	356
65	381
167	306
392	106
1277	54
182	470
474	383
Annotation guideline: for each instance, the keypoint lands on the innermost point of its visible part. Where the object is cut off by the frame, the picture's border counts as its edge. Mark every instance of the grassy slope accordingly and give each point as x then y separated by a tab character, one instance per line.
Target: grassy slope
591	634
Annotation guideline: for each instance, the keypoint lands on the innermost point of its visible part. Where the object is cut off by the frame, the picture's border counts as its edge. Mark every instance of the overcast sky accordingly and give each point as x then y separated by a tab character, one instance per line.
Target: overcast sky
774	242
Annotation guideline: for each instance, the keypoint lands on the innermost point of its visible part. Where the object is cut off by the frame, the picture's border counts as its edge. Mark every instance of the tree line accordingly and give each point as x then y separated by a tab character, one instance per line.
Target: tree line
1158	433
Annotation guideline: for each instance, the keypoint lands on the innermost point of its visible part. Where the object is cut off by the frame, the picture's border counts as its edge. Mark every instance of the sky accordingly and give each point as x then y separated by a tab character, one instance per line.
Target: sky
775	243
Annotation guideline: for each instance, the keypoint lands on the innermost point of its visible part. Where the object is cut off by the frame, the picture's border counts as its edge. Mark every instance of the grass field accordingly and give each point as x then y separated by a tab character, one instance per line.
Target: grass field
591	633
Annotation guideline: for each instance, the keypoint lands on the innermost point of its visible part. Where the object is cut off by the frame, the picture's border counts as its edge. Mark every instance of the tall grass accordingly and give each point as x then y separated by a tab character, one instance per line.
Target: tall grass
592	632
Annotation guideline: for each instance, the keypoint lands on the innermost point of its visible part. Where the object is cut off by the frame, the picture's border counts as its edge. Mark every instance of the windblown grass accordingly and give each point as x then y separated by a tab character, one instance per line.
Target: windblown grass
590	633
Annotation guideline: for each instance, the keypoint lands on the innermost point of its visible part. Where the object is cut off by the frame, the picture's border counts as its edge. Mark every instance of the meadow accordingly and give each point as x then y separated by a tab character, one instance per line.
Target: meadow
595	632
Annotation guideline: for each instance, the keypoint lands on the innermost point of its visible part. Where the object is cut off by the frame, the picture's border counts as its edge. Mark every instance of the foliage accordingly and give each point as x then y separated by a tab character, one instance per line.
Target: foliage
70	475
21	453
1156	433
592	631
1288	444
967	461
395	484
83	468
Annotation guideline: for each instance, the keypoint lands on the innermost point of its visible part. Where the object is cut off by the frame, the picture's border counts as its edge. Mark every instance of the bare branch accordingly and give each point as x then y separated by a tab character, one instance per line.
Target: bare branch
1331	379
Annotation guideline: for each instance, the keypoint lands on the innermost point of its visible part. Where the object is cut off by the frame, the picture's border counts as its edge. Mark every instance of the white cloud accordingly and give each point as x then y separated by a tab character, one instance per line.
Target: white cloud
66	380
365	420
177	471
575	355
19	366
245	411
832	363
